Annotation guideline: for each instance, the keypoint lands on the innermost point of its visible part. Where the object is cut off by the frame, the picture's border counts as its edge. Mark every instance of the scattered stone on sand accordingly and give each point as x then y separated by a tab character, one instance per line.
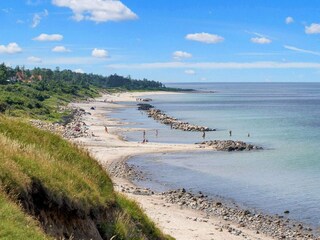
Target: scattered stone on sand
275	226
73	127
135	190
123	170
143	99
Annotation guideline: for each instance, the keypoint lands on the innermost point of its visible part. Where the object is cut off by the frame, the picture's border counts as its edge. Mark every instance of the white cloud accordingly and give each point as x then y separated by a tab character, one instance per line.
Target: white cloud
314	28
46	37
60	49
79	70
301	50
97	10
179	55
205	38
99	53
34	2
255	33
218	65
190	72
6	10
261	40
289	20
34	59
11	48
37	18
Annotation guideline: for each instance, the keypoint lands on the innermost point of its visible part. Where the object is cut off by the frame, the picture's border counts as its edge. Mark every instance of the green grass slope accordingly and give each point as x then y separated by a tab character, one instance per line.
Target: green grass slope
41	102
63	187
15	224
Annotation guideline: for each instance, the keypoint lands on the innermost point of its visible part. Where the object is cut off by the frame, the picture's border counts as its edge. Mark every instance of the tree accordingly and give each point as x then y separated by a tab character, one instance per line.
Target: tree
3	74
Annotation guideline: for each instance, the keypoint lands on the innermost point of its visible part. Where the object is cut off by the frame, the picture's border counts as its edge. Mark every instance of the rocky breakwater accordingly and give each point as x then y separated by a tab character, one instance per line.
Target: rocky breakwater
228	145
276	226
160	116
73	127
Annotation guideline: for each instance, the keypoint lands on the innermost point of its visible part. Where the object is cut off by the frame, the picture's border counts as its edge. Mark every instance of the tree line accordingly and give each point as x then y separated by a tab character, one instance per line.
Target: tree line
20	74
41	92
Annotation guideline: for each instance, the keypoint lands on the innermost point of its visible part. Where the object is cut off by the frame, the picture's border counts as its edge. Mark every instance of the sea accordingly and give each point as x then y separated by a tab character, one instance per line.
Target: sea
283	118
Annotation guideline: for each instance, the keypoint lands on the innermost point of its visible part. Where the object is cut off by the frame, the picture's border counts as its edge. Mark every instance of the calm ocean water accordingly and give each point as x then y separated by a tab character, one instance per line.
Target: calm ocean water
284	118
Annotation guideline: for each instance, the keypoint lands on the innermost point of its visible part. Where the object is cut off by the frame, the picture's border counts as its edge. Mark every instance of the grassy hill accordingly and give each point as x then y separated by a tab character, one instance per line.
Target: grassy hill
52	189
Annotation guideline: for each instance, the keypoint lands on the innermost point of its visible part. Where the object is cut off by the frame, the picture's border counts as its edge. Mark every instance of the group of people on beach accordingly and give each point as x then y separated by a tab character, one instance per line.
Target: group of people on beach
230	134
203	135
144	140
144	135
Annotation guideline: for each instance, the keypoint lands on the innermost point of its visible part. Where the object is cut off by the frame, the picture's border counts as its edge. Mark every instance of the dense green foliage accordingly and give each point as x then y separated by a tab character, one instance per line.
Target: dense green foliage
40	99
8	74
39	92
69	174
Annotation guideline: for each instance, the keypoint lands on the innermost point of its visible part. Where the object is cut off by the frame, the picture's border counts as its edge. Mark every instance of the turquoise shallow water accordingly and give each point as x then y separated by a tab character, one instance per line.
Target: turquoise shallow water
281	117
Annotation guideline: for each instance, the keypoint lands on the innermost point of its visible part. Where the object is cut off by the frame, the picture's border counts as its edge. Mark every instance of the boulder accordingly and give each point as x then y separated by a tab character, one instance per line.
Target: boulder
229	145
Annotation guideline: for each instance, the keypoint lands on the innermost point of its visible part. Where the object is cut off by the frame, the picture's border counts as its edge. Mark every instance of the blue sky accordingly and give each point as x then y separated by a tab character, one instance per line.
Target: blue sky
168	41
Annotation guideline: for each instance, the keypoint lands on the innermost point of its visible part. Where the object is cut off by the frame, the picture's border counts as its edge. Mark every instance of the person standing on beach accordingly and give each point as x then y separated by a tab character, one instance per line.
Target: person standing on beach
106	129
144	135
157	132
230	133
204	135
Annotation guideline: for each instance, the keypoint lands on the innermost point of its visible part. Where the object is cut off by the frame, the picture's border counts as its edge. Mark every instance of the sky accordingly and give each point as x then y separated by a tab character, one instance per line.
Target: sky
165	40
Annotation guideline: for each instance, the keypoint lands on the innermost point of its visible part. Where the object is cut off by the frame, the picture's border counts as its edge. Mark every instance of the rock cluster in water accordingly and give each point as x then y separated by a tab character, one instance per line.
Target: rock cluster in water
144	106
157	114
74	127
228	145
276	226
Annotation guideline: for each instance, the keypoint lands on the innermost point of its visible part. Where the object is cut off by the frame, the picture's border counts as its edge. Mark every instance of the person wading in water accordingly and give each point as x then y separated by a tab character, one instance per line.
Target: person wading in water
144	136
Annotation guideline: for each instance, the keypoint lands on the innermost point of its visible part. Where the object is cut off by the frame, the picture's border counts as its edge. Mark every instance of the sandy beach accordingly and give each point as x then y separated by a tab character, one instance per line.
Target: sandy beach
110	149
